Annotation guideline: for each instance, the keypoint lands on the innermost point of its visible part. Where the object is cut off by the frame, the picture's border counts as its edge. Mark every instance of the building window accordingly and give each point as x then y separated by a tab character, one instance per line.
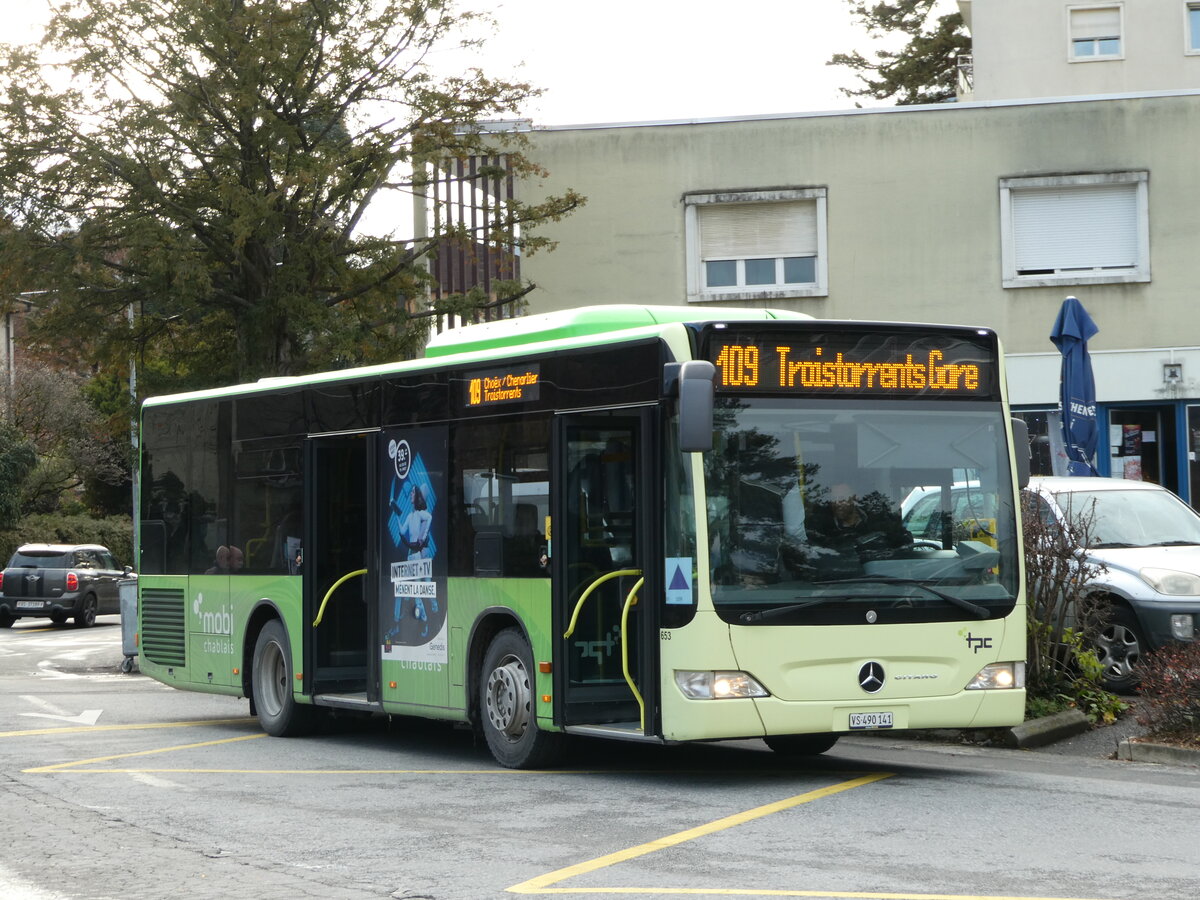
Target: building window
756	245
1095	32
1075	229
1192	29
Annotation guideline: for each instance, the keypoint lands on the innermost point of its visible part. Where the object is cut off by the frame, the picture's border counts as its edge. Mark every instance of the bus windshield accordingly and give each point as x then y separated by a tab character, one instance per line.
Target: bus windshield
850	511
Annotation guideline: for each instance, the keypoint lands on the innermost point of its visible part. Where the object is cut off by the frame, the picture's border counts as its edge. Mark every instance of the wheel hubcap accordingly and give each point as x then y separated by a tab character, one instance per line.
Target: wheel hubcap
508	698
273	677
1119	651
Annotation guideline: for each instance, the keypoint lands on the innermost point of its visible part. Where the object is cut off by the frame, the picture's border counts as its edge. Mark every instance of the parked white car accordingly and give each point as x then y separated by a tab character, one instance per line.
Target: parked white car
1147	541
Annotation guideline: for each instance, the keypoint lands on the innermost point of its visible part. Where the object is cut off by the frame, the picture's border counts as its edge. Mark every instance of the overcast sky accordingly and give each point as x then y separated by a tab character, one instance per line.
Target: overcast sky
640	60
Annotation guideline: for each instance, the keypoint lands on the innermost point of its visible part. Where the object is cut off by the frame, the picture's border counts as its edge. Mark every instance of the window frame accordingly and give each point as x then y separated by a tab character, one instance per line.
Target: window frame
1141	272
1073	57
1191	28
697	292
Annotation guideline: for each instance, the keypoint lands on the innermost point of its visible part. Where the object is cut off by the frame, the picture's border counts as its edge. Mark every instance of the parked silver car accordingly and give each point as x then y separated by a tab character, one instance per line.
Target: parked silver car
60	582
1147	542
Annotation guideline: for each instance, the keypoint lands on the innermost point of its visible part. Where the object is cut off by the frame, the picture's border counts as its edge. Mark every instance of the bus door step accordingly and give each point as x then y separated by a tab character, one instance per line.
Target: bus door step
348	701
620	731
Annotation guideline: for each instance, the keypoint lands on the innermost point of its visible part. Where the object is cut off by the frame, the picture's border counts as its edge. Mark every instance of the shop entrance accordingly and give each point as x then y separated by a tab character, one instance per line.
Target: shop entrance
1142	444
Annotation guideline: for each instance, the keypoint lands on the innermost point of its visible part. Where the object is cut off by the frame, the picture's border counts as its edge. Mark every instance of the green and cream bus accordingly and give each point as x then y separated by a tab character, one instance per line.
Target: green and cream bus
642	523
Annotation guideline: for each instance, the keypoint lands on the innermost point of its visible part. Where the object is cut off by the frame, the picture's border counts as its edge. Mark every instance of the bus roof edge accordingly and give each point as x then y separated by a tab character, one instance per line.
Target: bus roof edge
584	321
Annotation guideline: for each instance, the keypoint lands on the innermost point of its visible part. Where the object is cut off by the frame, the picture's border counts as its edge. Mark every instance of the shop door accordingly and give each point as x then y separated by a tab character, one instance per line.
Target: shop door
604	580
1142	444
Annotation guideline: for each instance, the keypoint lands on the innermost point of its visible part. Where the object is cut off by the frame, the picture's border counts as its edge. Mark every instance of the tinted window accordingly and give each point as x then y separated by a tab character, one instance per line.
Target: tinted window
500	483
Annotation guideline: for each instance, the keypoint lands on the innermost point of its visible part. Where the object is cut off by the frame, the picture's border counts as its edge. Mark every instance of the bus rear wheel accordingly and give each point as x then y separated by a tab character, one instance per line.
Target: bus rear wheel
278	712
801	744
506	706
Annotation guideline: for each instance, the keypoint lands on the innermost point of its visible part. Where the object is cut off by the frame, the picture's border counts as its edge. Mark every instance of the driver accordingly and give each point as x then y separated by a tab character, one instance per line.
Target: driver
847	530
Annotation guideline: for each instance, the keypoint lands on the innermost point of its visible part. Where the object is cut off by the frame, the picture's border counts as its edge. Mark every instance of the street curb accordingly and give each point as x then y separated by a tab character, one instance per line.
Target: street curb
1144	751
1047	730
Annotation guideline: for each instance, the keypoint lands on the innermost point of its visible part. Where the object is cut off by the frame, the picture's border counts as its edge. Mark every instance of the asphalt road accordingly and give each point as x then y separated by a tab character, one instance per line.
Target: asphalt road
113	786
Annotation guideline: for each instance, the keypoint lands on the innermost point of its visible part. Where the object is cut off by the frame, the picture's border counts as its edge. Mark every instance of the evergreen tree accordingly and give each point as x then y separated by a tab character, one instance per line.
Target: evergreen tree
925	70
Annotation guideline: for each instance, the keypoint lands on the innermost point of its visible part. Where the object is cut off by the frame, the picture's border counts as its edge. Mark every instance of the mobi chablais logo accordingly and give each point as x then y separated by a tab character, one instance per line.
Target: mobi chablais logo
218	621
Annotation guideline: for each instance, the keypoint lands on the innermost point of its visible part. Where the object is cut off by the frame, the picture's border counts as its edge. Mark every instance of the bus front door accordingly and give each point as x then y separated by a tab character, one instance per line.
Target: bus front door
601	541
337	614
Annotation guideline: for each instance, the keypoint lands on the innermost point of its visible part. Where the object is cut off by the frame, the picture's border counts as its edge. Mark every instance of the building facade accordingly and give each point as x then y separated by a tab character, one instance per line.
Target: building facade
988	212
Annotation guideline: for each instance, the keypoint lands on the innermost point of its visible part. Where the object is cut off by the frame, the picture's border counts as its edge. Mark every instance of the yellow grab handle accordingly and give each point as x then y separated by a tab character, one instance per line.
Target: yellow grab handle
591	587
334	587
630	602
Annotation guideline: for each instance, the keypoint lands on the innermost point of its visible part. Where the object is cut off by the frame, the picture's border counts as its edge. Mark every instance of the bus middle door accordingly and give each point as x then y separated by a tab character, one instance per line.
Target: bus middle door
605	623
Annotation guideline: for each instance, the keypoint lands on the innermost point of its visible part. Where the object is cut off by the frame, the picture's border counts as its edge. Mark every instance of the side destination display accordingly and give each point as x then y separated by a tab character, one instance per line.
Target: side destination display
900	363
503	386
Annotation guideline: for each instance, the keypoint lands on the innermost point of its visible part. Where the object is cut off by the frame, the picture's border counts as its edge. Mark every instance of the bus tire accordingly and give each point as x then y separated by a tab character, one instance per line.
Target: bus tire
507	706
278	712
801	744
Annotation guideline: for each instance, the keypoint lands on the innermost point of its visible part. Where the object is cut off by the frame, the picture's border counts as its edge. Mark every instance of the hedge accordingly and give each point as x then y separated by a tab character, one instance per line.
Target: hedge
114	532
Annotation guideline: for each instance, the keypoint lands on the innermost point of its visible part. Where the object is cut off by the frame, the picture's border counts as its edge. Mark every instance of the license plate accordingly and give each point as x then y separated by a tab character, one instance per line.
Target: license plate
30	604
861	720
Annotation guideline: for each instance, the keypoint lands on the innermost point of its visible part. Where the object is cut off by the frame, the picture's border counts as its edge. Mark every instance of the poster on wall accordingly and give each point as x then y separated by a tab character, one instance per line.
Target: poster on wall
413	537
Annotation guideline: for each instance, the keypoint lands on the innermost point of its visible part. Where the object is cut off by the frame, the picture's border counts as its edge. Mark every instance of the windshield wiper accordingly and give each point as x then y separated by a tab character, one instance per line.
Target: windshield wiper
973	608
1112	545
777	611
1174	544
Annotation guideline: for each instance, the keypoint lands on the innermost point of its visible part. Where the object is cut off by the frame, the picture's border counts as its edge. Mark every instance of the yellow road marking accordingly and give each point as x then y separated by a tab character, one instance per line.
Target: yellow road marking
820	895
544	884
92	729
539	884
184	771
59	767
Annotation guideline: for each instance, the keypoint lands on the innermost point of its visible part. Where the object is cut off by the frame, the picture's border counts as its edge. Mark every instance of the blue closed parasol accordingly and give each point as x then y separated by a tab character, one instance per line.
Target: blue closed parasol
1077	390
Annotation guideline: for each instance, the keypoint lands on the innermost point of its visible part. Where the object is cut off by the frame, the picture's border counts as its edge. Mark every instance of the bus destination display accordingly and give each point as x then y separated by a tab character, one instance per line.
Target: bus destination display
873	363
504	386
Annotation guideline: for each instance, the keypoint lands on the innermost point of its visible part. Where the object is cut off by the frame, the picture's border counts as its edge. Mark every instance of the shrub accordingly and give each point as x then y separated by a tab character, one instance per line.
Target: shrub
1170	690
1063	619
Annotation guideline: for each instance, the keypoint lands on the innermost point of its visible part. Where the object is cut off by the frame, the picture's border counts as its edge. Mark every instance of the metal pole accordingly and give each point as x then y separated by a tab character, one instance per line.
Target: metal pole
133	440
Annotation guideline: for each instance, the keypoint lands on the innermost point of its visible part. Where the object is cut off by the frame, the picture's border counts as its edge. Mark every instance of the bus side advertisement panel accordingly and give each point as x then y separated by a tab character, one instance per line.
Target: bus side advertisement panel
413	554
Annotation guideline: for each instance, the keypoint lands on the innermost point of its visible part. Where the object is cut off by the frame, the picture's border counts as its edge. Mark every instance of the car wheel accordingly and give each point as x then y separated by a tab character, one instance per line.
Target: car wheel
58	618
6	620
278	712
506	706
1119	647
86	617
801	744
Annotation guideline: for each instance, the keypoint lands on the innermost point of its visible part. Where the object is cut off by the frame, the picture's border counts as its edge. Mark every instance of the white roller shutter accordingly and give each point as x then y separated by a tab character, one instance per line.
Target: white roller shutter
1091	24
1087	227
749	230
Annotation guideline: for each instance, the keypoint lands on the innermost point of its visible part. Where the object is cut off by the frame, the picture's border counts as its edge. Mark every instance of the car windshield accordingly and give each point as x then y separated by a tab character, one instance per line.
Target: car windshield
1130	518
821	513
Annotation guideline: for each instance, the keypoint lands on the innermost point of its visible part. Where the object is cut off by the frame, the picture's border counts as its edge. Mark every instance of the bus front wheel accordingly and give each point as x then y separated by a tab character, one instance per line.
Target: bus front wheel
801	744
507	704
278	712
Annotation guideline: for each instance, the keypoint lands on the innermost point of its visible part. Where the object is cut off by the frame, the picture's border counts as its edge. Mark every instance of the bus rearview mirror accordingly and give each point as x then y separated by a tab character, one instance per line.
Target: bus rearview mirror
696	379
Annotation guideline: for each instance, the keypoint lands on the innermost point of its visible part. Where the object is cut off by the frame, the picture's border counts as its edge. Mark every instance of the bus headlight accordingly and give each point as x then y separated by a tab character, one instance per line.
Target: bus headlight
999	676
718	685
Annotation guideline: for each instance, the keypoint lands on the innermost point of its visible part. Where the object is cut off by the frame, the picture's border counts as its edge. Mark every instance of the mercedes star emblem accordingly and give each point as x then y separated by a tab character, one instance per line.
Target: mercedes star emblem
870	677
